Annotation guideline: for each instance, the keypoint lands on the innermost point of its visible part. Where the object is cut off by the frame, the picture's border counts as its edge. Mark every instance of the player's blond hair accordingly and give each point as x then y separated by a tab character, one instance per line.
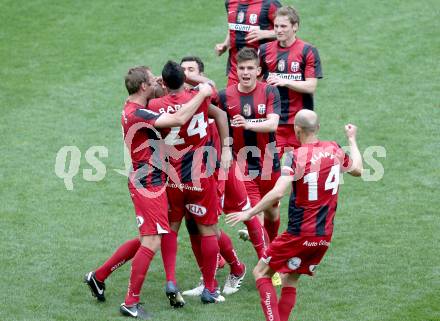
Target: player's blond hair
290	12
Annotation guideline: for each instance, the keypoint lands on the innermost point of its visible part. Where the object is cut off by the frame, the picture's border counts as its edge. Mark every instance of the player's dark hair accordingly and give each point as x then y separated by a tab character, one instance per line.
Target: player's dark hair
135	77
173	75
290	12
246	54
197	60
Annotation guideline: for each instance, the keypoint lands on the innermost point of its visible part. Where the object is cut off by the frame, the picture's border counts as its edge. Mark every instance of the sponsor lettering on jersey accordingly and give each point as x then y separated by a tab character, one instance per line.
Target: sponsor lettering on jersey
242	27
286	76
196	209
256	120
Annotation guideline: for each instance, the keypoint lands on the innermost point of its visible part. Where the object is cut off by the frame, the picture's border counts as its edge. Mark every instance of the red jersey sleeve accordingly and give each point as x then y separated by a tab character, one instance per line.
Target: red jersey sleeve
313	64
273	100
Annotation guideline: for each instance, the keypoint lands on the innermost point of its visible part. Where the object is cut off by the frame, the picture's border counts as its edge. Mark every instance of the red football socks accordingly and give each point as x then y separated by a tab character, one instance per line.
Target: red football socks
123	254
169	253
272	228
268	299
286	302
258	235
210	251
229	254
139	268
195	245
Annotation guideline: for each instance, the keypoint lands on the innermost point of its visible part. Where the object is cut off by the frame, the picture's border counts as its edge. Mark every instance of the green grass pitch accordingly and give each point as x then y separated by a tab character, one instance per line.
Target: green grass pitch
61	68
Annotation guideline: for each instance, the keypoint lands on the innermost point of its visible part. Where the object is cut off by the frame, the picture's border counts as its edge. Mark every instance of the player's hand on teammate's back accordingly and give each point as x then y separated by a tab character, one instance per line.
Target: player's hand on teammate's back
350	131
237	217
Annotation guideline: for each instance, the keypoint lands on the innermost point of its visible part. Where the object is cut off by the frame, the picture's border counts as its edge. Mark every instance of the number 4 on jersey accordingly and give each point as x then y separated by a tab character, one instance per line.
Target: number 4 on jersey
196	126
331	183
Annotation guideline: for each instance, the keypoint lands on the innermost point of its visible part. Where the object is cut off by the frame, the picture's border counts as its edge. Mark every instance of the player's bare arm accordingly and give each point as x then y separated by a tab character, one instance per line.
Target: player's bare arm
307	87
258	34
275	195
179	118
221	120
194	80
221	48
355	155
267	126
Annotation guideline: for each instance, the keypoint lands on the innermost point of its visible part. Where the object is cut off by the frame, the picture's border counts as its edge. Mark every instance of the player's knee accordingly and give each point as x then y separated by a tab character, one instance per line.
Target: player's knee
259	273
151	241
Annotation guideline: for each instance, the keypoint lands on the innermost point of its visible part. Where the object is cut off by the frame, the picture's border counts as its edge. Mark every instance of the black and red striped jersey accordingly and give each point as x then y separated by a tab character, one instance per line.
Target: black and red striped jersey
316	168
190	139
254	107
297	62
145	145
243	16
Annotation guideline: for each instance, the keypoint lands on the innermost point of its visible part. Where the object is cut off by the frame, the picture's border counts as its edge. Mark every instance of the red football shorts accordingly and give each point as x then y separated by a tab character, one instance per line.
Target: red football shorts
296	254
258	187
286	138
199	200
235	197
151	208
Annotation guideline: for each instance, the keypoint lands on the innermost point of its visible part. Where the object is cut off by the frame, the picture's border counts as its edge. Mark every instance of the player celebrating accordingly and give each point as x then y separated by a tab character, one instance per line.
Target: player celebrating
254	108
146	181
294	67
250	23
235	200
314	176
195	193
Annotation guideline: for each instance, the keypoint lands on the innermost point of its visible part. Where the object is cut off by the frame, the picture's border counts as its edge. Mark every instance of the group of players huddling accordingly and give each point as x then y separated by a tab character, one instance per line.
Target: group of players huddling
198	152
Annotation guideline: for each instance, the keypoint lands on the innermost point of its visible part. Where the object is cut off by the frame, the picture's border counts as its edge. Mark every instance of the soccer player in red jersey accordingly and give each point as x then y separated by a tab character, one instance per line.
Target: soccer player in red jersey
194	71
314	177
193	190
253	108
250	24
146	184
294	67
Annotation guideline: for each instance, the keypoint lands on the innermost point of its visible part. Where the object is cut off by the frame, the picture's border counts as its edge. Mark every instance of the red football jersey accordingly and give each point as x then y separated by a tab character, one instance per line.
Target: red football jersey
190	139
254	107
313	201
297	62
244	16
145	144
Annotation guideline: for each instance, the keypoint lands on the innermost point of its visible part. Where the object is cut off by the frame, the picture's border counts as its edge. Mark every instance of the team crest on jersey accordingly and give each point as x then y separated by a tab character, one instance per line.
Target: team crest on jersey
240	17
139	221
281	65
261	109
294	66
294	263
247	110
253	18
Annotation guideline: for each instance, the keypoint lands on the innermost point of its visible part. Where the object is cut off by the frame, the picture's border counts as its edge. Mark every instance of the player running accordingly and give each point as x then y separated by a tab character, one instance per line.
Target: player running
314	177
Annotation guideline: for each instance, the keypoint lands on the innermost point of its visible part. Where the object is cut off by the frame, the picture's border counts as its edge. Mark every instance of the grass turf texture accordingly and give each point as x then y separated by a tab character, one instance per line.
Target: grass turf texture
62	66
